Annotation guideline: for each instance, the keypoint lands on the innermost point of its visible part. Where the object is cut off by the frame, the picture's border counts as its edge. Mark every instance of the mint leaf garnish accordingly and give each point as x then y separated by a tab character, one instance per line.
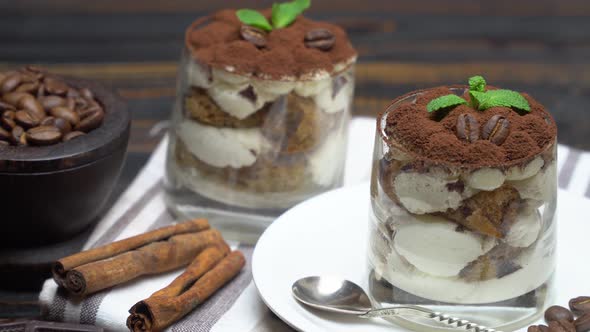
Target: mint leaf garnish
477	83
505	98
253	18
445	102
285	13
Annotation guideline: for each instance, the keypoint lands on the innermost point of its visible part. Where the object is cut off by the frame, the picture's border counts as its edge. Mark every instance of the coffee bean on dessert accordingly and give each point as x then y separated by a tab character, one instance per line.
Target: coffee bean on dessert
43	135
467	128
26	119
582	324
50	102
63	125
7	120
496	129
10	82
322	39
90	122
580	305
30	103
16	133
55	86
557	312
65	113
254	35
71	135
538	328
561	326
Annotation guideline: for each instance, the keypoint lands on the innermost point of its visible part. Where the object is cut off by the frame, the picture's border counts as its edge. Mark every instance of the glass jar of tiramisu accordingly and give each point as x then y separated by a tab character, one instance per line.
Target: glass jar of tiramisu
463	198
260	122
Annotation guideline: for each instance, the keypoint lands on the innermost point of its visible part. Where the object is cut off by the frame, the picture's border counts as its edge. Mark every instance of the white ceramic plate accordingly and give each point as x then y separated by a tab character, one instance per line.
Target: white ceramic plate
327	235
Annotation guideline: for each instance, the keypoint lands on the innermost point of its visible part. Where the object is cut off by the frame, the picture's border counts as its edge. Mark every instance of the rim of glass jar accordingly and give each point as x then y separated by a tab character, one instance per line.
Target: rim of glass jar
393	143
346	65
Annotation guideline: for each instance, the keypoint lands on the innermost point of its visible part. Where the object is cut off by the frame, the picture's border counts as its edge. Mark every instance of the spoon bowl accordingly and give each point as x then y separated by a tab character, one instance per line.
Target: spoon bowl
332	294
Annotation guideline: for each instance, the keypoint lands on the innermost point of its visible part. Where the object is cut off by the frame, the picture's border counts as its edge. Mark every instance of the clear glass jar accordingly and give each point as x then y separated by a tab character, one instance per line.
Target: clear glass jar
450	259
243	150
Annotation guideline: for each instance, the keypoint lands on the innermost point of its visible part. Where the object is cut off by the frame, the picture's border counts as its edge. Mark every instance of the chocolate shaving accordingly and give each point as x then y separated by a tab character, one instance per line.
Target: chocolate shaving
337	84
249	94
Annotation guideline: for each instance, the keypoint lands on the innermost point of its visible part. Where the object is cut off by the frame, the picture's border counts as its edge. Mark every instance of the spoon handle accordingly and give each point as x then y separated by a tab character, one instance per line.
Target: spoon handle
458	324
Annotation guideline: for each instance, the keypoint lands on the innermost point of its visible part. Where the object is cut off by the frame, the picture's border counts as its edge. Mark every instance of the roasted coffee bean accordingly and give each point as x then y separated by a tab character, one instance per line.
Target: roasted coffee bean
80	103
12	98
55	86
47	121
496	129
74	134
580	305
30	103
41	91
254	35
582	324
322	39
72	93
5	135
71	103
86	93
63	125
557	312
91	121
49	102
561	326
10	82
26	119
538	328
66	113
5	107
28	87
35	69
7	120
43	135
4	144
17	132
467	128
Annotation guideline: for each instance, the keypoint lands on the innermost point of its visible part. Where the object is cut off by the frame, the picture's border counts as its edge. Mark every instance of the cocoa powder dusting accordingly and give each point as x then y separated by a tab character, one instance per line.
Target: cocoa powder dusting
216	41
433	136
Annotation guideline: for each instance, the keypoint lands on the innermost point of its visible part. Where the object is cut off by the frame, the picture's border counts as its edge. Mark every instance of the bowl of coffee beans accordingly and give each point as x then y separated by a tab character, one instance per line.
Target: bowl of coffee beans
63	142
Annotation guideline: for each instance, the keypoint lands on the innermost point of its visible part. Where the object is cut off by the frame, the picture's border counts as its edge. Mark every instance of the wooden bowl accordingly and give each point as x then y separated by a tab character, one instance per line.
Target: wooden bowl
52	192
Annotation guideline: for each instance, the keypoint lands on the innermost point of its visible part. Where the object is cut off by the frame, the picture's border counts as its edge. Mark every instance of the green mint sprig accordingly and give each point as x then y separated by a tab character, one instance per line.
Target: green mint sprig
283	14
481	99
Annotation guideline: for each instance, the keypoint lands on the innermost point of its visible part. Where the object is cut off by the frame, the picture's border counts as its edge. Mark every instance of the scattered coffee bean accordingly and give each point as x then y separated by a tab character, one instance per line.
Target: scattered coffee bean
467	128
557	312
55	86
43	135
17	132
50	102
7	120
322	39
253	35
561	326
86	93
10	82
582	324
63	125
538	328
28	87
65	113
5	107
4	144
72	135
496	129
47	121
12	98
73	93
26	119
91	121
580	305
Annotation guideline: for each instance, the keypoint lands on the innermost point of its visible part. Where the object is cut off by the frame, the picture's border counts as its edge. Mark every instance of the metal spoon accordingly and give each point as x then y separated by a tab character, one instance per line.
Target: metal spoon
346	297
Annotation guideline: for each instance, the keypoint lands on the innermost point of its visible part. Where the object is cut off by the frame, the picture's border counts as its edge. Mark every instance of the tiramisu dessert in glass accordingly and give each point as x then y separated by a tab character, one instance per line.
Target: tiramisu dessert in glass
463	197
261	117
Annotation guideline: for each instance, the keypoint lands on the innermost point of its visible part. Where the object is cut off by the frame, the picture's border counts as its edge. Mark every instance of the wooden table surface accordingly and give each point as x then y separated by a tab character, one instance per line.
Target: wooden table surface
538	46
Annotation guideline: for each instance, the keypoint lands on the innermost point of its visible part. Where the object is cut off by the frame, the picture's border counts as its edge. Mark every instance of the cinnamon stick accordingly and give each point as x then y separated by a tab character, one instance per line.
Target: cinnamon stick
165	307
156	257
62	266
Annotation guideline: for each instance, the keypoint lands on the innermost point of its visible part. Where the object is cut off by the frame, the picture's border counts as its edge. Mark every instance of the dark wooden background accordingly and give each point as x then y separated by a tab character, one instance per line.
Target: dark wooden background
538	46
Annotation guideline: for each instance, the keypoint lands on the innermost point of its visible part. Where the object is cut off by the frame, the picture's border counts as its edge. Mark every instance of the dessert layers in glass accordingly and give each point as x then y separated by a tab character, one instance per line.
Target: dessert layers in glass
460	220
258	129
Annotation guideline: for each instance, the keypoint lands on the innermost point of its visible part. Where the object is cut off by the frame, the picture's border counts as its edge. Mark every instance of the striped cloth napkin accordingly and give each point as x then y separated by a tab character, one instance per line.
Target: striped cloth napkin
237	306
